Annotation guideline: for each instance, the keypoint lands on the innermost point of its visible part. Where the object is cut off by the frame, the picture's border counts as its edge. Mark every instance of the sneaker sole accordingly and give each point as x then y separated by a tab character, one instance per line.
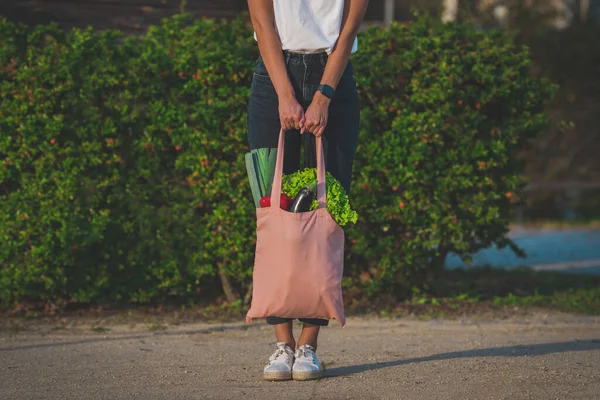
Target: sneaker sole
307	376
277	376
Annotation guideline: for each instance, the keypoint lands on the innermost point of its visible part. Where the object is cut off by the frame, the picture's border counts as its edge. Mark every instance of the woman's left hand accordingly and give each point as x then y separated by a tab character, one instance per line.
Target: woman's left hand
316	115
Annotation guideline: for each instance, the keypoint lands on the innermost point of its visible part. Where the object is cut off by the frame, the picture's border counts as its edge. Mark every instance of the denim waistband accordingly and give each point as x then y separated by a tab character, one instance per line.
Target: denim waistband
289	55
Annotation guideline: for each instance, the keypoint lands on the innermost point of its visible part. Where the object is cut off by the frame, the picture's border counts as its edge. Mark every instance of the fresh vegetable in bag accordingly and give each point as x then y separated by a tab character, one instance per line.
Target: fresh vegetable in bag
285	202
303	200
260	164
338	204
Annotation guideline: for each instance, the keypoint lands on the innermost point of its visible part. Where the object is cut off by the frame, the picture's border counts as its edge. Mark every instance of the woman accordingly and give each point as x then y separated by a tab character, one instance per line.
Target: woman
303	82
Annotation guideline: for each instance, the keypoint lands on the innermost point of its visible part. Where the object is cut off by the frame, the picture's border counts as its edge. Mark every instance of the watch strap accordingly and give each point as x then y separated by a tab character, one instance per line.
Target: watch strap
327	91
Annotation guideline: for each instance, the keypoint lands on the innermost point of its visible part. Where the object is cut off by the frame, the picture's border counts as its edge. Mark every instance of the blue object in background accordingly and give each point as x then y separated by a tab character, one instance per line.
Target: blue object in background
576	251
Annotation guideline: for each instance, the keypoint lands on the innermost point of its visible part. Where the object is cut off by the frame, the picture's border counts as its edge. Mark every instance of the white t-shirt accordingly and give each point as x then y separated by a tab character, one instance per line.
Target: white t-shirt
309	26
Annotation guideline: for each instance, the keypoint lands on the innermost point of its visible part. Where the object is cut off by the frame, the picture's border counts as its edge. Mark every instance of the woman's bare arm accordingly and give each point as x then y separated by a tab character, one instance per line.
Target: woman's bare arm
291	113
317	113
354	12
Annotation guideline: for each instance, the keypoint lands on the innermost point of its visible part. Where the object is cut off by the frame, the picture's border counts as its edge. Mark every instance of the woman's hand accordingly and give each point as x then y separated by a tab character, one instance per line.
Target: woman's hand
317	114
291	114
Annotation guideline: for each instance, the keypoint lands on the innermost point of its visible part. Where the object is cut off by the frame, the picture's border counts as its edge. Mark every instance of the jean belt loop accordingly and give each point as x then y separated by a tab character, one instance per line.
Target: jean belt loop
288	55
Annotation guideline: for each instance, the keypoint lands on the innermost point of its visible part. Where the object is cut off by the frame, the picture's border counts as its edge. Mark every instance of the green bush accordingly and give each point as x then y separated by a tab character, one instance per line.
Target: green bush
122	175
117	153
446	110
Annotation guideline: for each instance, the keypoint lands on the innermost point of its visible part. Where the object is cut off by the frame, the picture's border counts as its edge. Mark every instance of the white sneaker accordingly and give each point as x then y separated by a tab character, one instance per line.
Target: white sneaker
307	366
280	364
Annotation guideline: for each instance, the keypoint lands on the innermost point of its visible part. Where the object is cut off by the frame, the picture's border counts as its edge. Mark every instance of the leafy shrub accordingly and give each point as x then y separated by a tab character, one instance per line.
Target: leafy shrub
446	109
116	179
122	175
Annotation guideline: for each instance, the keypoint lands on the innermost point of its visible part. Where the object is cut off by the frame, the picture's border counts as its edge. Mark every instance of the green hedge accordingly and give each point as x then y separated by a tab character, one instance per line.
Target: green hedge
447	110
122	176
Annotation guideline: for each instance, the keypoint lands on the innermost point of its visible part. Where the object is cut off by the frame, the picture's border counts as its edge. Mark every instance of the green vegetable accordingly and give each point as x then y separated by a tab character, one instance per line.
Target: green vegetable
338	204
253	179
260	164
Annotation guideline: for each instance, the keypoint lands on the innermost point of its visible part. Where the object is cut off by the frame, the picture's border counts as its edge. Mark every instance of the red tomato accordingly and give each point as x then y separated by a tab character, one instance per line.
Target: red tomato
265	202
285	202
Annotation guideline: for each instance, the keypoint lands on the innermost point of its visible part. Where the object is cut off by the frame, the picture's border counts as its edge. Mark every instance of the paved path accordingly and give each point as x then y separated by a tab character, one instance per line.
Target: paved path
537	357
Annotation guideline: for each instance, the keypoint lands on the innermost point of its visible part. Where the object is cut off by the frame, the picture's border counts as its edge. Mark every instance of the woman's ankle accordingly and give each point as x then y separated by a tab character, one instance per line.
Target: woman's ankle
285	333
309	336
313	345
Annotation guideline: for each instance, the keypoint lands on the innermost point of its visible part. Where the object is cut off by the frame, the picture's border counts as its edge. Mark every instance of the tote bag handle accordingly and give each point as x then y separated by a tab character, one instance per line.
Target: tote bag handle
321	182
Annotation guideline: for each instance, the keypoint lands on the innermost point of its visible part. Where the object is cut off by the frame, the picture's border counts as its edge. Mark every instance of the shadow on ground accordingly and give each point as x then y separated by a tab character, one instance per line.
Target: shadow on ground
509	351
239	327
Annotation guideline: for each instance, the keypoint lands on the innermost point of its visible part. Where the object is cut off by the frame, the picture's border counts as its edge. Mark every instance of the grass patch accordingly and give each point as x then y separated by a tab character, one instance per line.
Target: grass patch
582	301
522	287
155	325
497	292
489	292
99	329
491	282
61	327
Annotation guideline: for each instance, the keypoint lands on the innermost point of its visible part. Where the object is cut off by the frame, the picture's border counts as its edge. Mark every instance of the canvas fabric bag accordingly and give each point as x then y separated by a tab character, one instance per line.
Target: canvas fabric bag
299	258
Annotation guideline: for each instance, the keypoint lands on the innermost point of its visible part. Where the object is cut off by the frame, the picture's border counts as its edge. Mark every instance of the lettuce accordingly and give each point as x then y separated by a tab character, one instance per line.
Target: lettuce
338	204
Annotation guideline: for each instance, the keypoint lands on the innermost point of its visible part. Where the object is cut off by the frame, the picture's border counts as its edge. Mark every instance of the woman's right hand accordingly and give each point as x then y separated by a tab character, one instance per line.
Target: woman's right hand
291	114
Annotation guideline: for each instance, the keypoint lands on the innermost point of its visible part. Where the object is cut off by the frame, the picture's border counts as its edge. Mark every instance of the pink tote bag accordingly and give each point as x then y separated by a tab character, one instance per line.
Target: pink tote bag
299	257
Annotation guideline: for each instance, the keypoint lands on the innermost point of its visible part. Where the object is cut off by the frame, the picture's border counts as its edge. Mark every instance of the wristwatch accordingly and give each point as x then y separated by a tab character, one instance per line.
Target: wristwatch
327	91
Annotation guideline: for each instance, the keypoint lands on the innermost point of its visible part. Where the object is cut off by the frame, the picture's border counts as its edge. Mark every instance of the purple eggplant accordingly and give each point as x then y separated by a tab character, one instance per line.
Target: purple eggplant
303	200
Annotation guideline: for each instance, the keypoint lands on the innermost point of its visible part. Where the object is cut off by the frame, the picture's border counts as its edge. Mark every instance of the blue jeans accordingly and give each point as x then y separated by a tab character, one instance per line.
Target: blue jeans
340	138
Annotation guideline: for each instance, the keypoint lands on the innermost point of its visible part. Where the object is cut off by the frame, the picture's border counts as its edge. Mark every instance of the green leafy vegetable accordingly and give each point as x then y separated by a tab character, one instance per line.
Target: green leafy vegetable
252	178
338	204
260	164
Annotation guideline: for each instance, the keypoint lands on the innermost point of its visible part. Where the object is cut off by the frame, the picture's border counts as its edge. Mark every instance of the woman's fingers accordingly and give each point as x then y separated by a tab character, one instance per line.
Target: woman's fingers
291	114
303	124
297	118
315	127
293	117
320	131
290	124
316	118
295	121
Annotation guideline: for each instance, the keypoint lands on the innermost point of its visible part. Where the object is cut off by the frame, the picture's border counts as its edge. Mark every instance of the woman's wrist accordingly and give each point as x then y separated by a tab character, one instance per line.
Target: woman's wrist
321	99
286	94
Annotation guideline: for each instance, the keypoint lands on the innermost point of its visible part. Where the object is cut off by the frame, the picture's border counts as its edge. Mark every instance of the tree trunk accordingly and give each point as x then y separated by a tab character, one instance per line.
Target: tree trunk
248	295
230	293
437	266
450	11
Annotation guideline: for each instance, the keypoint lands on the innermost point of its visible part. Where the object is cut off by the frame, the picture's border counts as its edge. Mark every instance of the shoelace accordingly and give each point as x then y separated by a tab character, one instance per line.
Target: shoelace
306	352
278	353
